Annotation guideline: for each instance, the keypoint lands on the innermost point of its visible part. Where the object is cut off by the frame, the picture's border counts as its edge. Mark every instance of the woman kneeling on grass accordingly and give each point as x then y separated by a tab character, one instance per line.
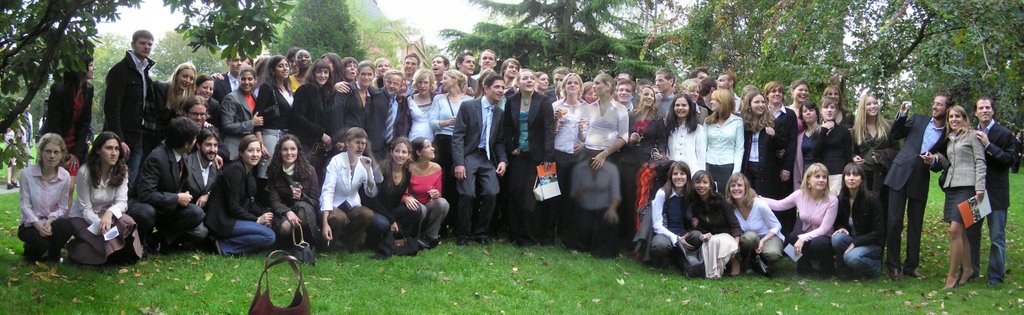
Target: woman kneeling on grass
721	230
817	211
102	200
44	224
860	228
761	237
239	223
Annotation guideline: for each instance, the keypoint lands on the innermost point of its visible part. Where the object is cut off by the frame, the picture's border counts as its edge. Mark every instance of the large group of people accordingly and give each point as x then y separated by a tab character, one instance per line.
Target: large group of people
354	154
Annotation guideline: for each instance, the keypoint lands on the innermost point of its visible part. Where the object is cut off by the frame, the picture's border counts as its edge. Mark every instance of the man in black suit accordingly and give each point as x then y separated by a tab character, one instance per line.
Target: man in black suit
908	181
128	89
228	81
160	198
529	222
369	108
1000	154
476	147
202	169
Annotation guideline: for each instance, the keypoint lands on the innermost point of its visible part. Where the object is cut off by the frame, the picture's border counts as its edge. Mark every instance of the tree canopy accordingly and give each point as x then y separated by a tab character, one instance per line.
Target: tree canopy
320	27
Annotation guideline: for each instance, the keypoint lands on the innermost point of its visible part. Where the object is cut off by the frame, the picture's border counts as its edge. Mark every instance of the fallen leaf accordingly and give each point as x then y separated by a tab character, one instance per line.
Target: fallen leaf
621	281
123	270
768	292
209	275
596	301
120	281
402	290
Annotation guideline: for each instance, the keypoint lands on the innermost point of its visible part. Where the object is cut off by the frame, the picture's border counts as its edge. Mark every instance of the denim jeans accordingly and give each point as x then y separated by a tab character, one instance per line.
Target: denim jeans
860	262
247	236
997	250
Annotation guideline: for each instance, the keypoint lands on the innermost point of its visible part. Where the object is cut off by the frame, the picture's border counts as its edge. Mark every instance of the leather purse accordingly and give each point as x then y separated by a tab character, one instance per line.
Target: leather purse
261	303
302	250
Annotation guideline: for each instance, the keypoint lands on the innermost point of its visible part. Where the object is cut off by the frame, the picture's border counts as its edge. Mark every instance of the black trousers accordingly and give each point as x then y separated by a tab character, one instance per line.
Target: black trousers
560	208
591	233
817	250
171	223
443	147
38	247
900	203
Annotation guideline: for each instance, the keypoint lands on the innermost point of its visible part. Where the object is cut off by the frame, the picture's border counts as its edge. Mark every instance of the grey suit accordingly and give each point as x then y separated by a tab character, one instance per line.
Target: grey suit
194	184
481	179
235	121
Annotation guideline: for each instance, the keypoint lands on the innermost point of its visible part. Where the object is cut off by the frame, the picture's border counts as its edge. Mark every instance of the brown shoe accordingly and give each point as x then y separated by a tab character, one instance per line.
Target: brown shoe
913	273
894	275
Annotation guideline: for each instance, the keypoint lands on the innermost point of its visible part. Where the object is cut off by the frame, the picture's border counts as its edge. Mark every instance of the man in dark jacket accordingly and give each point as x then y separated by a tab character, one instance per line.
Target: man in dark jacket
1000	154
161	197
128	89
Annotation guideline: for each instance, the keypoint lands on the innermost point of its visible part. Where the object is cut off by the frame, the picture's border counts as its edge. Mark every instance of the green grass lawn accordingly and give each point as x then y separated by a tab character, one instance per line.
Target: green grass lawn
492	279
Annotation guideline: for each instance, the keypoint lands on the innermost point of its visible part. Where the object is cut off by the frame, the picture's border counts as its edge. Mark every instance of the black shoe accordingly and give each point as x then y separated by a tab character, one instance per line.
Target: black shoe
913	273
423	244
483	241
10	185
462	242
993	284
17	185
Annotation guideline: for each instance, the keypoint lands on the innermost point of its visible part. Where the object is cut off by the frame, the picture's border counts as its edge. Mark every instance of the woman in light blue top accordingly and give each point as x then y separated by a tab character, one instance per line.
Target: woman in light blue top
725	139
443	111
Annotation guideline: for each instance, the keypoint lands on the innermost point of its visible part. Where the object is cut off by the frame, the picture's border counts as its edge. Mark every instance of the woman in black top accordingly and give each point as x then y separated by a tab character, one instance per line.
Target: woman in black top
293	190
833	146
315	118
391	212
859	228
69	115
721	231
274	103
239	224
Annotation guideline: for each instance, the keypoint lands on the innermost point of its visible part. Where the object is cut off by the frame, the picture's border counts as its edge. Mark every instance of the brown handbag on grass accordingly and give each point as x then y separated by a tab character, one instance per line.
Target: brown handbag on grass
261	303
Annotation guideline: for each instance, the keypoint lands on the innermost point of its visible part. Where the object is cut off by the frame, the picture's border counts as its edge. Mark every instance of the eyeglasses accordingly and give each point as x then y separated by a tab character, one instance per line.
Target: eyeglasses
199	115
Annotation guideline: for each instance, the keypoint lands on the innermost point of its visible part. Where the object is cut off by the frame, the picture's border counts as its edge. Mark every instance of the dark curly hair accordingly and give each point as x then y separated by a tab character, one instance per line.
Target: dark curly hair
118	173
303	169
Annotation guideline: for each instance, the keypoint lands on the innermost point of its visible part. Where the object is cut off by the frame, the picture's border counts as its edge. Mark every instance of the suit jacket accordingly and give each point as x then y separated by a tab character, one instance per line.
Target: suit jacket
315	114
785	131
768	183
194	181
123	100
160	180
372	116
60	108
907	170
1000	154
233	199
235	121
469	125
540	127
221	88
963	162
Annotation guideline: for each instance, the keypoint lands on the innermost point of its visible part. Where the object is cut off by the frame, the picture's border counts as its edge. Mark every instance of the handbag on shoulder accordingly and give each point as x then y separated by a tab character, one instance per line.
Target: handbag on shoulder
261	303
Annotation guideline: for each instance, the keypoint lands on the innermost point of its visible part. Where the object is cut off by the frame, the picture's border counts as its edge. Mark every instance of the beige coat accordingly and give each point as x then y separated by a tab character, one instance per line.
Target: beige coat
964	162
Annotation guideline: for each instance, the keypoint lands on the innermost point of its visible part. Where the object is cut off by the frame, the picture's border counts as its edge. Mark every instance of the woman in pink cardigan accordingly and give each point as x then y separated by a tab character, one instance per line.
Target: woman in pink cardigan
811	238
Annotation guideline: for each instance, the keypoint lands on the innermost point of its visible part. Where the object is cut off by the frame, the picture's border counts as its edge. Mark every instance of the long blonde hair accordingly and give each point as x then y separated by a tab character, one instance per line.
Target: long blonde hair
860	121
965	128
642	110
175	95
726	104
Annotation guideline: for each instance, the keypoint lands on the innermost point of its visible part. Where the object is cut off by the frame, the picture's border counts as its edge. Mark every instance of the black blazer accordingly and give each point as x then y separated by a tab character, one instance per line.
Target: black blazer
768	183
213	109
233	199
907	170
221	88
1000	155
469	125
785	131
194	180
315	114
159	180
833	148
372	116
656	136
123	100
60	108
540	127
868	219
271	104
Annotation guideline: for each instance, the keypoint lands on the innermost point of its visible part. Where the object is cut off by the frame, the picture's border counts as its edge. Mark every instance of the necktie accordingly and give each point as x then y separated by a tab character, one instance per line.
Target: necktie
390	128
487	130
181	168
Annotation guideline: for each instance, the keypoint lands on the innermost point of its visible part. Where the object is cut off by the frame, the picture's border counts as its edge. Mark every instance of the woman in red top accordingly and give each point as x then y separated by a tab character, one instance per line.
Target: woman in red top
425	190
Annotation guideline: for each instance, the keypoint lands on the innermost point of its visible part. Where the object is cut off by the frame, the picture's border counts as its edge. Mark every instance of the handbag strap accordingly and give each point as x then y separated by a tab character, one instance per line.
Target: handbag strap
291	260
302	236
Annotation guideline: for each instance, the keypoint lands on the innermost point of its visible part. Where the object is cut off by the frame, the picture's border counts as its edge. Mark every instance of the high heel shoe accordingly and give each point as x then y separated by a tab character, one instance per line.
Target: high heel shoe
948	286
965	278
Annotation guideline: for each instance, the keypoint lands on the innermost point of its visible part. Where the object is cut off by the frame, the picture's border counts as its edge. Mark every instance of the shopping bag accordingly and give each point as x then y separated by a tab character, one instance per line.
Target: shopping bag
546	185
